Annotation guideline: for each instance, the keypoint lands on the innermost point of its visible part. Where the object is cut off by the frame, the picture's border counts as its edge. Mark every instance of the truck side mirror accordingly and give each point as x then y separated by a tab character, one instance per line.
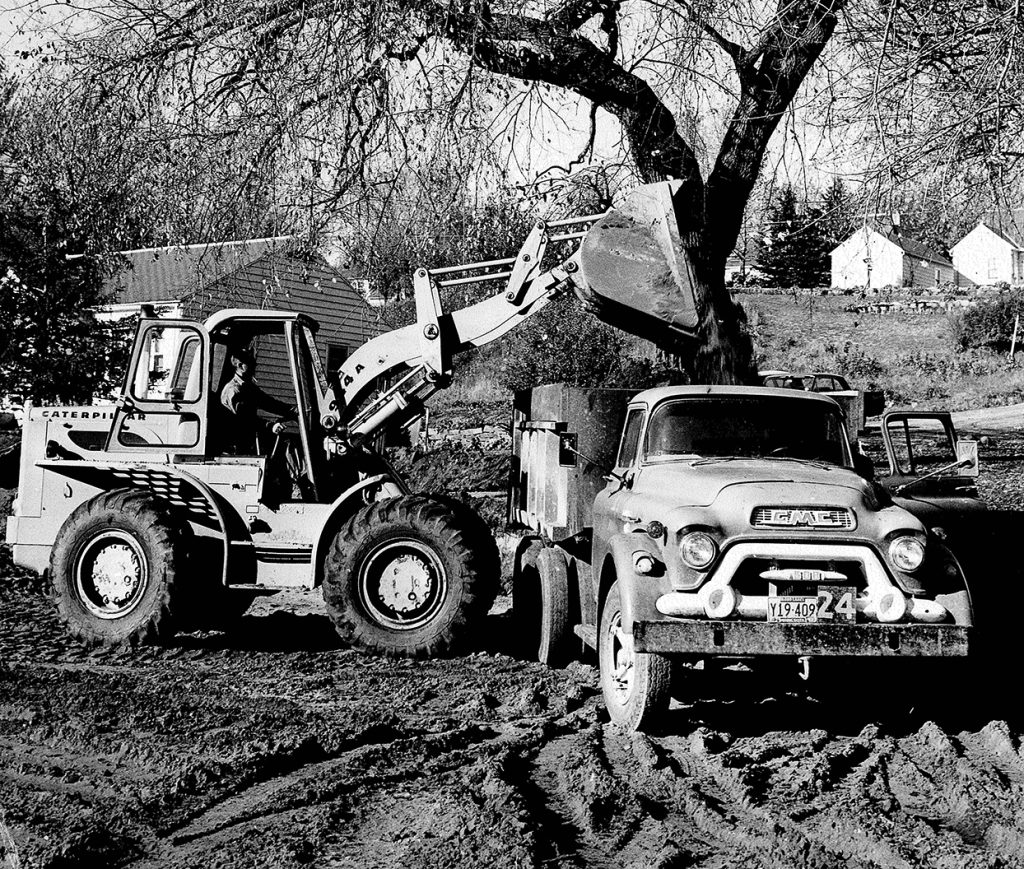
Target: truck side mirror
863	465
567	449
967	458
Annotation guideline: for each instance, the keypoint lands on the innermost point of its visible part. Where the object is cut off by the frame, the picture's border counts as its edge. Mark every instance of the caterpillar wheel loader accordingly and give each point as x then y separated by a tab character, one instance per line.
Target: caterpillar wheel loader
147	525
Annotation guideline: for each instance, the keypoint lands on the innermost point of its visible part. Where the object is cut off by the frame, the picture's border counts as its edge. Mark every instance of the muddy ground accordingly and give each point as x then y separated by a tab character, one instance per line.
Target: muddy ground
272	746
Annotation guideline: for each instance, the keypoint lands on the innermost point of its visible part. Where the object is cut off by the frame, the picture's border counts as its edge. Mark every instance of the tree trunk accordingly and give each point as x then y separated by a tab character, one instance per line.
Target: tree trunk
723	352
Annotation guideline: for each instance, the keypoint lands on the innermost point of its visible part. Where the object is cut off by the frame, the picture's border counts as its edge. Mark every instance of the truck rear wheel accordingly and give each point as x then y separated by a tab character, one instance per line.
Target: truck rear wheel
409	577
114	569
636	685
542	604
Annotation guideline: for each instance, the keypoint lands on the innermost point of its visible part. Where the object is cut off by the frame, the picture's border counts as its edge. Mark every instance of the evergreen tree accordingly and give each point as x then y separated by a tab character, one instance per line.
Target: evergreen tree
797	243
838	221
781	240
814	263
52	348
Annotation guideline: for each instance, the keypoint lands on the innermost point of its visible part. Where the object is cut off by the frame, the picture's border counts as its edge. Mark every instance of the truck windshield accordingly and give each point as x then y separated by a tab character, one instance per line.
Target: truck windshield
747	427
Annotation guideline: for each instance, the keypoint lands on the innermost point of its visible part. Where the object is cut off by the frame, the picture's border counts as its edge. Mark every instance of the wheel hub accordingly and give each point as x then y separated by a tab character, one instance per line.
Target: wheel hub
622	660
403	584
116	573
111	574
406	583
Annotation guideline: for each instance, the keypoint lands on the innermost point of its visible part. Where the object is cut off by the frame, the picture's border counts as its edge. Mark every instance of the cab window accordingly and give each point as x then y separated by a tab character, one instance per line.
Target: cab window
630	438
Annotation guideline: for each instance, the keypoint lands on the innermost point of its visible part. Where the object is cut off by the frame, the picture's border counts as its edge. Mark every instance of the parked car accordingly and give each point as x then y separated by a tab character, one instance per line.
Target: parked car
824	381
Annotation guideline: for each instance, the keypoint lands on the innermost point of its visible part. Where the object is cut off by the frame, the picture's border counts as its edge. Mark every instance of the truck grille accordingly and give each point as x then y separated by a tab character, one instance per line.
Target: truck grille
748	581
830	518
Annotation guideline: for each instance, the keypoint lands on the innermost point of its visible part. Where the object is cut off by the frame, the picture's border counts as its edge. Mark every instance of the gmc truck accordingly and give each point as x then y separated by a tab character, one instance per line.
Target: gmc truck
722	522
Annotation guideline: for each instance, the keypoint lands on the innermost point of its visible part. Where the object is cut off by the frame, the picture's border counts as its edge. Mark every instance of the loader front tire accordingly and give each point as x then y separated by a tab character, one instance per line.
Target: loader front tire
411	577
115	568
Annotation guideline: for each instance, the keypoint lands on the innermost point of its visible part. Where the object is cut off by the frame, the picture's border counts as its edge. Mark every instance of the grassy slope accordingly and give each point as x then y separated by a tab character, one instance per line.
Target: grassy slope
909	355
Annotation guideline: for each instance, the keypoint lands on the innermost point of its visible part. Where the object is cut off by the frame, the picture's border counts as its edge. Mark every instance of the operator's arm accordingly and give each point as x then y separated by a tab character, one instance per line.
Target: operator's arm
268	403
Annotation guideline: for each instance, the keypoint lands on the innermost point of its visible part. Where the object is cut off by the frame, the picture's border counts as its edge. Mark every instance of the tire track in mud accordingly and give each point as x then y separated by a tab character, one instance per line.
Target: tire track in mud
968	789
560	810
815	799
282	798
8	850
786	799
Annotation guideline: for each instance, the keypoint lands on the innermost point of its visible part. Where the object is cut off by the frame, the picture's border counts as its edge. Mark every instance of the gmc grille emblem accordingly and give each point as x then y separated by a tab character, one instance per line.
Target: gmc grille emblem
806	518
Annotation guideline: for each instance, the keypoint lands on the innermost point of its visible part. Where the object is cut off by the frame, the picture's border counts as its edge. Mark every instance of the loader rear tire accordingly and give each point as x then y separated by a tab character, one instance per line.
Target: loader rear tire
411	577
115	568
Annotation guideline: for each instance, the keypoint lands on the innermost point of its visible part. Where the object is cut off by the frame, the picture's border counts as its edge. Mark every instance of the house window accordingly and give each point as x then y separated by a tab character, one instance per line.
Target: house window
336	356
992	271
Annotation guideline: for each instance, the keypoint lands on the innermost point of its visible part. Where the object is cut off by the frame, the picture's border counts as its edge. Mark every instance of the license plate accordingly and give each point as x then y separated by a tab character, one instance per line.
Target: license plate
831	603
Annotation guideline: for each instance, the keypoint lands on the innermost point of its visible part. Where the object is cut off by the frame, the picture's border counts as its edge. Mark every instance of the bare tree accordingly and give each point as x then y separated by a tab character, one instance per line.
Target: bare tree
334	99
339	89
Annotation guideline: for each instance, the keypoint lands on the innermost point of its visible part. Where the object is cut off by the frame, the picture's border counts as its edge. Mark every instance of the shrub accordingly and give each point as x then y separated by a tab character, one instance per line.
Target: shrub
988	323
566	344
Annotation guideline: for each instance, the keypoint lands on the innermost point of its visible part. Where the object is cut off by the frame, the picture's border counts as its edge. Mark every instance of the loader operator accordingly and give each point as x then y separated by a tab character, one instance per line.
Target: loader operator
242	397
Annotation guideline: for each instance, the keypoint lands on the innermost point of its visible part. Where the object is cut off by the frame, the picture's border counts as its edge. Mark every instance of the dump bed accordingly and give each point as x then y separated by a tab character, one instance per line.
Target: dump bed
553	489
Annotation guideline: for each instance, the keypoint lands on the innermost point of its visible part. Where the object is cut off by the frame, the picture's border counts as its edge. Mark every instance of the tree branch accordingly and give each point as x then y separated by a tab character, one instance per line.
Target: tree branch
572	14
534	50
743	59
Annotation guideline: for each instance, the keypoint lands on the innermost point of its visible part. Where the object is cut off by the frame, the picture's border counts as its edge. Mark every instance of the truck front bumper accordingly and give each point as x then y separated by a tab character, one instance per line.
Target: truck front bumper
741	639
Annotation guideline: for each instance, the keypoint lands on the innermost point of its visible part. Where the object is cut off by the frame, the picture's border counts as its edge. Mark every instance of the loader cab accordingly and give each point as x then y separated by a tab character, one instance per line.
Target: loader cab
170	402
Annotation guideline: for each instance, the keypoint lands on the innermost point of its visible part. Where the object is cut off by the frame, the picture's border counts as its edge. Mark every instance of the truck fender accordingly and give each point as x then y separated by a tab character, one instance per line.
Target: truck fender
959	602
638	592
341	508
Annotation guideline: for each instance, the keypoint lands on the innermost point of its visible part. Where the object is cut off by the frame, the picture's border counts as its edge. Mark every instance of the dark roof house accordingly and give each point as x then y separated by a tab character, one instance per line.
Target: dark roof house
877	255
268	273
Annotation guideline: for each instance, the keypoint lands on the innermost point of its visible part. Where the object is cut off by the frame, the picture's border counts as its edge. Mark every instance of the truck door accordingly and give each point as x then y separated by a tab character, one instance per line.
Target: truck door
164	400
611	507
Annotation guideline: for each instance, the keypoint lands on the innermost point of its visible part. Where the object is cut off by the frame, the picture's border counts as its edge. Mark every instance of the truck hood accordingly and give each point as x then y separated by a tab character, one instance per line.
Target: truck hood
700	483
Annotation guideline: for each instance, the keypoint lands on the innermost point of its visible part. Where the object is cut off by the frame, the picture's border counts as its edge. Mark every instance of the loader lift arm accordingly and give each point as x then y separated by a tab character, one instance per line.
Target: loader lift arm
427	346
629	266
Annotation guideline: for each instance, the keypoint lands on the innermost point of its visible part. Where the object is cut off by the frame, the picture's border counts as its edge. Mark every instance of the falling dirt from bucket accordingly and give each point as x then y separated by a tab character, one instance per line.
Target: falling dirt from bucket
636	273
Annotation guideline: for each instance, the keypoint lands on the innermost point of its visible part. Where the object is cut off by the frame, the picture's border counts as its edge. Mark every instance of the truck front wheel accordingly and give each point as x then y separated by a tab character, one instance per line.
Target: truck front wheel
409	577
114	569
636	685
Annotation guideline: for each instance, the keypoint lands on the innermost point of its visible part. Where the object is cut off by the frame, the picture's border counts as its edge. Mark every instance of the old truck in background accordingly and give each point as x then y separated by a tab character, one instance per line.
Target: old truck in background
689	523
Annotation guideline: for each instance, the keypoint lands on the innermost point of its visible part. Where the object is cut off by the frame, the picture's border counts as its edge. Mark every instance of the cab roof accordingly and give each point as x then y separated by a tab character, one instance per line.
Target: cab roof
251	314
651	397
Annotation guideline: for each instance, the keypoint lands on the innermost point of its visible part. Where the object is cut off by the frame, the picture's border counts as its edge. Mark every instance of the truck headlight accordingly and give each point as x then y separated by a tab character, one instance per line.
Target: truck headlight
907	553
698	549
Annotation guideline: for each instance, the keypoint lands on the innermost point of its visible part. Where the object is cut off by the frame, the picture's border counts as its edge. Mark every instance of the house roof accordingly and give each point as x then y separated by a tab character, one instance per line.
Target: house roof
912	246
166	274
1007	223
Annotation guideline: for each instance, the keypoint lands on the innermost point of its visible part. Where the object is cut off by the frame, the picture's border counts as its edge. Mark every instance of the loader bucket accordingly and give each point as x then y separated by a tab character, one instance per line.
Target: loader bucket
635	272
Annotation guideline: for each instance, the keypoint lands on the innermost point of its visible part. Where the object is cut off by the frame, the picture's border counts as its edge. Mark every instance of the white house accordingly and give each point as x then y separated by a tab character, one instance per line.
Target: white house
990	253
875	257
